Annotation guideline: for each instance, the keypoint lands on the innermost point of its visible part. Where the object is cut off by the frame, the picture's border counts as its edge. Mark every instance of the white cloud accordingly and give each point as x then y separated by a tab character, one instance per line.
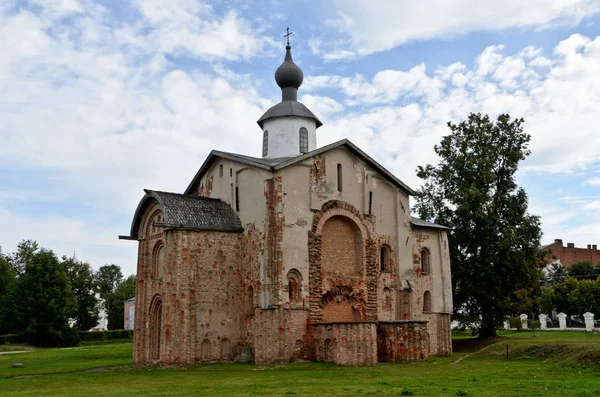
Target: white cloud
102	104
321	105
111	115
192	28
386	86
379	25
559	103
595	181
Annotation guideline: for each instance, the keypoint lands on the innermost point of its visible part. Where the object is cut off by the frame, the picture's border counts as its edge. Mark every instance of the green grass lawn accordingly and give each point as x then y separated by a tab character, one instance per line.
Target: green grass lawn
549	363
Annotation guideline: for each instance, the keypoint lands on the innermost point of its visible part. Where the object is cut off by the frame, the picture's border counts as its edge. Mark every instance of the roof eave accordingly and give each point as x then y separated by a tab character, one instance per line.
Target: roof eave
196	228
430	225
209	160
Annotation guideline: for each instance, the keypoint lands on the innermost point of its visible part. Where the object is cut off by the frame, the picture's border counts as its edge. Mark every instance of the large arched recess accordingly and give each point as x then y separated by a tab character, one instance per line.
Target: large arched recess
356	258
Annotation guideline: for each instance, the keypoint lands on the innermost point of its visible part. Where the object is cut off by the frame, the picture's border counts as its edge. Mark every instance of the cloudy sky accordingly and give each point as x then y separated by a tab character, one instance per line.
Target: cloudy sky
101	99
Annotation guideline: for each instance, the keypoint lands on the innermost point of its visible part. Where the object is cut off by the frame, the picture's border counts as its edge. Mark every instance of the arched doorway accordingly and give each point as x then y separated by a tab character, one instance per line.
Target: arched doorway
155	328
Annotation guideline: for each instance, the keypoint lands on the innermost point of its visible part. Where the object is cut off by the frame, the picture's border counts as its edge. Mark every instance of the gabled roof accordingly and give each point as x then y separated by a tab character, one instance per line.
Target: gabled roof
189	212
420	222
287	109
279	163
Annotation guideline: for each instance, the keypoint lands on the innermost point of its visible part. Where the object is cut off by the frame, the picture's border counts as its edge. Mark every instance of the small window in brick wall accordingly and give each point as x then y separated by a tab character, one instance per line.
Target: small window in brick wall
339	178
425	261
384	259
427	302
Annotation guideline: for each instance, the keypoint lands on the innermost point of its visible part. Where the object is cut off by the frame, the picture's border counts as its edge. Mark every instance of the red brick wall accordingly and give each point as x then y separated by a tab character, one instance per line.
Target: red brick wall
360	288
569	255
342	247
350	343
405	341
340	311
201	293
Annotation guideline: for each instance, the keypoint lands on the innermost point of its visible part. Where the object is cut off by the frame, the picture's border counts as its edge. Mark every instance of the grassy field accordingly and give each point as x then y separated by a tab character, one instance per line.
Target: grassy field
539	364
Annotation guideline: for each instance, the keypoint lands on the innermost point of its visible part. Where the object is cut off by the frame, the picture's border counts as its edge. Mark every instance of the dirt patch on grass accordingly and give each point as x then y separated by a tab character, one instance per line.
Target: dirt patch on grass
474	344
546	351
588	358
99	369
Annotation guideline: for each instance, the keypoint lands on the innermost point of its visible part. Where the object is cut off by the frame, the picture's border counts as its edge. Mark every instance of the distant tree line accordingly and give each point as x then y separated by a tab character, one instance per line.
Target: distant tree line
41	296
572	291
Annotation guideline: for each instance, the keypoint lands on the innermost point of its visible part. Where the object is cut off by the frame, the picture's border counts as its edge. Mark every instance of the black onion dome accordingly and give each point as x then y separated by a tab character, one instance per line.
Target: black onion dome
289	74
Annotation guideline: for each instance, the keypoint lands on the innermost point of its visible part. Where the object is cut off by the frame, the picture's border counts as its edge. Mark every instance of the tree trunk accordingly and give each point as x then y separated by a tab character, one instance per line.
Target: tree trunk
487	329
486	332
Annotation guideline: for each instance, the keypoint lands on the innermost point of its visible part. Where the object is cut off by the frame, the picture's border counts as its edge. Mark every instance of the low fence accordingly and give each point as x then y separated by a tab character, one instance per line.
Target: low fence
542	323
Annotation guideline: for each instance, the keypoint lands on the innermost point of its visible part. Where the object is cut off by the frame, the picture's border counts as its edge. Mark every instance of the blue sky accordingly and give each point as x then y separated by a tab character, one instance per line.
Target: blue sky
101	99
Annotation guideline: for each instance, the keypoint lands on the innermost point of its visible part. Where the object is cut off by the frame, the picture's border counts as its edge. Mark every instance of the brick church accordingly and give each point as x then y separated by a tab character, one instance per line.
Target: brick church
302	254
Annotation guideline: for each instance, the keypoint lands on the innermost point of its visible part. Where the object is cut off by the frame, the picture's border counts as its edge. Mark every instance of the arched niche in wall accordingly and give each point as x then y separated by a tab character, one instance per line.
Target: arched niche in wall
425	261
158	260
294	285
342	247
385	259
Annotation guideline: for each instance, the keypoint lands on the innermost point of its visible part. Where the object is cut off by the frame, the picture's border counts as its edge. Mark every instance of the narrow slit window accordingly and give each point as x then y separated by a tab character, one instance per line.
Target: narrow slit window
370	202
220	170
339	177
265	143
231	172
384	259
237	199
425	261
303	140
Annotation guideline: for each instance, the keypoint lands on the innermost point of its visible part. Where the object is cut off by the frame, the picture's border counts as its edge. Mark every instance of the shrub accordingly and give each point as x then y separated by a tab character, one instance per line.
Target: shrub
106	335
119	334
91	335
10	339
515	322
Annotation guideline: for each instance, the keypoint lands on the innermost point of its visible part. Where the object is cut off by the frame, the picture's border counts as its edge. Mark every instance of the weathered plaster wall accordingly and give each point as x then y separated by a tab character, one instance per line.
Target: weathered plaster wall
284	136
437	282
226	295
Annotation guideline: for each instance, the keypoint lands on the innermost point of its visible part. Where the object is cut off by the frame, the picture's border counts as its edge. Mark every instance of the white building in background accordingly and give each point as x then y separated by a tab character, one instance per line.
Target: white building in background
129	314
103	321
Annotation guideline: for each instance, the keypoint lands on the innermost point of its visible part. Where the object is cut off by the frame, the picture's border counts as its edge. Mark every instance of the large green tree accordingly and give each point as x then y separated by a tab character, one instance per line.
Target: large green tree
44	301
26	249
494	240
116	314
81	278
108	278
584	270
7	280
